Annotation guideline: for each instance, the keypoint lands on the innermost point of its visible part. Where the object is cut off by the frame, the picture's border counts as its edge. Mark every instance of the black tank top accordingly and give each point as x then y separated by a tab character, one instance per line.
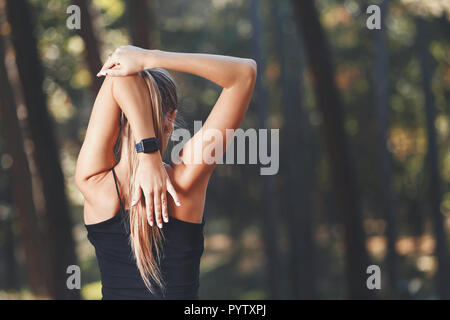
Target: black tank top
180	264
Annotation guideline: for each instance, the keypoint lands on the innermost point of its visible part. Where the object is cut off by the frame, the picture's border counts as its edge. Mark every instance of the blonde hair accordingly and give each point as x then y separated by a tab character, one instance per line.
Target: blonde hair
146	241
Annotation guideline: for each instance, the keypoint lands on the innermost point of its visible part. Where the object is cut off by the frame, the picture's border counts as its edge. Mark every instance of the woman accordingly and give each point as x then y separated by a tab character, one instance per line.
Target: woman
125	190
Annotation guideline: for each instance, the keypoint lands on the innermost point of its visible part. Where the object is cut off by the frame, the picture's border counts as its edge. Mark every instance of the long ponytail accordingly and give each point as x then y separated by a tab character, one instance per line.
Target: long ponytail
146	242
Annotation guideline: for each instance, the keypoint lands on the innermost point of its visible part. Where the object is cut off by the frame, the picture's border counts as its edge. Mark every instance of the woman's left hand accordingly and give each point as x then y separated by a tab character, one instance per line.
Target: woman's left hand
151	185
128	60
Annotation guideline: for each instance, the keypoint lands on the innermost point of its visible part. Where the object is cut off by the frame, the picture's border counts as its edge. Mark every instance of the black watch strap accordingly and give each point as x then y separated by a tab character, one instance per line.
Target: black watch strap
149	145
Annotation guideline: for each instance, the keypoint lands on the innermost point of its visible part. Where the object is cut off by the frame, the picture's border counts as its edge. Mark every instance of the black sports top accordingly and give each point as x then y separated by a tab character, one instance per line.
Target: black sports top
182	250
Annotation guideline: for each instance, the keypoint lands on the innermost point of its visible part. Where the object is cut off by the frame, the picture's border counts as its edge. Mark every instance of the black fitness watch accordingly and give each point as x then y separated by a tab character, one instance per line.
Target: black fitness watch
149	145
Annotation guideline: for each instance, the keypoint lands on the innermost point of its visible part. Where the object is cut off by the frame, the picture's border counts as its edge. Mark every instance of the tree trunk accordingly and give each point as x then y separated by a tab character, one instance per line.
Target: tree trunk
297	187
434	191
22	196
87	33
59	238
341	167
382	109
269	210
140	22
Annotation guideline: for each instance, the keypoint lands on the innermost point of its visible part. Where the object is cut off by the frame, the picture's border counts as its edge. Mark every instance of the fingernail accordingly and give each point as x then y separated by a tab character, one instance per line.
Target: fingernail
178	203
166	219
151	224
133	203
160	225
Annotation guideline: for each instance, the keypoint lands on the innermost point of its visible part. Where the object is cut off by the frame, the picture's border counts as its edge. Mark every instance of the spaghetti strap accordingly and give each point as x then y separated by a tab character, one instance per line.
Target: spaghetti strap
117	189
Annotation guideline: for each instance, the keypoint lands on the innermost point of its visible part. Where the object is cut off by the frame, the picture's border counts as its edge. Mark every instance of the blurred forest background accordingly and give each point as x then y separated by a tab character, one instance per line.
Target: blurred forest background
364	118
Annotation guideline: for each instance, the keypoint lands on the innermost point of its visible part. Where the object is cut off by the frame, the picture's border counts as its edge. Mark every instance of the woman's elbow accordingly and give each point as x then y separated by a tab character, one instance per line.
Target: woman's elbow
249	72
253	66
81	176
80	180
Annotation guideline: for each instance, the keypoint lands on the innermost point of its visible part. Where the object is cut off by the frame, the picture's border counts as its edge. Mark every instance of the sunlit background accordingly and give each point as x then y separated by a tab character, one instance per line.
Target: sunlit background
288	224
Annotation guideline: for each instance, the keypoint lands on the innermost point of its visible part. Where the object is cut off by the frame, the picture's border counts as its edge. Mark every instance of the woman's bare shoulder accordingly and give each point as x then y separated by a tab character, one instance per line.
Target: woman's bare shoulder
192	194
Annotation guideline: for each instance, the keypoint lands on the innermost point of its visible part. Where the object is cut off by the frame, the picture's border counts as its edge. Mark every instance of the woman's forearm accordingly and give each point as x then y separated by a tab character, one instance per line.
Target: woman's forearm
132	96
225	71
222	70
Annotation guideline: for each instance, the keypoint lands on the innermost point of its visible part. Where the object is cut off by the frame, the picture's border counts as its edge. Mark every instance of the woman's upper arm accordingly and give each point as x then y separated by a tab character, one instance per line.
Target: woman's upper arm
97	152
227	113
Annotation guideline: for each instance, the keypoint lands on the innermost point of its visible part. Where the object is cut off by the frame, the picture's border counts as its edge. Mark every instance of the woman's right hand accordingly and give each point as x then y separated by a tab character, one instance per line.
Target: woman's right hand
128	60
152	182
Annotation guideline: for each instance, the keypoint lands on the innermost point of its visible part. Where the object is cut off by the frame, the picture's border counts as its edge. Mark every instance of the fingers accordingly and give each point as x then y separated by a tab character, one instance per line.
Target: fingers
149	208
136	196
164	207
117	72
155	194
172	192
111	62
157	200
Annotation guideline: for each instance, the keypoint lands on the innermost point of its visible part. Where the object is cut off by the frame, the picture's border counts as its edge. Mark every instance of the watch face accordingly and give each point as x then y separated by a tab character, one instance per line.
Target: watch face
150	145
